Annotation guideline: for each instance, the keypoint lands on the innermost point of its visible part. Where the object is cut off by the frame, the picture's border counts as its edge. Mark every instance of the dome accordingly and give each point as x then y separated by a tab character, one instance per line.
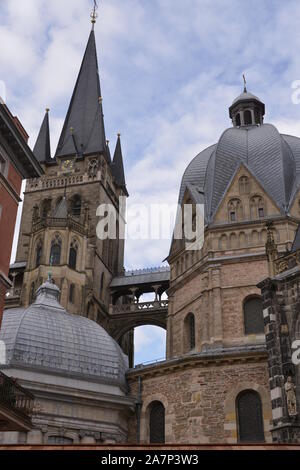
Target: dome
272	158
47	338
245	96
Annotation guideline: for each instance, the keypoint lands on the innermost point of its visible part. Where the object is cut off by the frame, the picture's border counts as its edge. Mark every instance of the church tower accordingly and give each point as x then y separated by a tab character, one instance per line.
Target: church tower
58	226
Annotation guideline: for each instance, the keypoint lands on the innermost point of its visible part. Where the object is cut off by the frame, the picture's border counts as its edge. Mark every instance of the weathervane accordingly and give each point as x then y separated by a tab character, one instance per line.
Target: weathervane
245	84
94	14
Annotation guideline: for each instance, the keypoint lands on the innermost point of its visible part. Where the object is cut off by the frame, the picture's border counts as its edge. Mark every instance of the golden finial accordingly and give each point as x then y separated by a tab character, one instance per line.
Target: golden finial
119	135
47	110
245	84
94	14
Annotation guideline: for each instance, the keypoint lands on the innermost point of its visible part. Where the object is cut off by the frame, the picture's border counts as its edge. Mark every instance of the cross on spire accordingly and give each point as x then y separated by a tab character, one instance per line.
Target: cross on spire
245	84
94	14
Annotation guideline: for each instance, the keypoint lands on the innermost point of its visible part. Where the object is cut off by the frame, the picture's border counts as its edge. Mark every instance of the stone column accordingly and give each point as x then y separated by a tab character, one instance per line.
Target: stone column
35	437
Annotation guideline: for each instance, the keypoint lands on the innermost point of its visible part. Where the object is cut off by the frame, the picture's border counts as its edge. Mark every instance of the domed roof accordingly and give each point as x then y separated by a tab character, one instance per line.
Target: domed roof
272	158
245	96
45	337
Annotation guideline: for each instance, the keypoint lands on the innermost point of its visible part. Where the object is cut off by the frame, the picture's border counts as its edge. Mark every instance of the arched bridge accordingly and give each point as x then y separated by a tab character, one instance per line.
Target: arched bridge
127	311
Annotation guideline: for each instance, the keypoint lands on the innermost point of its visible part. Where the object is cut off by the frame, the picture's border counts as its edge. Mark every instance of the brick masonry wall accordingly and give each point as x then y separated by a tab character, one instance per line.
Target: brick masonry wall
200	401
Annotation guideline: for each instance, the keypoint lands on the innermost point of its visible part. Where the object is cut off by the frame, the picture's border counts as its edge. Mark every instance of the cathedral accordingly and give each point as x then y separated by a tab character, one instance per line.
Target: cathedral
228	376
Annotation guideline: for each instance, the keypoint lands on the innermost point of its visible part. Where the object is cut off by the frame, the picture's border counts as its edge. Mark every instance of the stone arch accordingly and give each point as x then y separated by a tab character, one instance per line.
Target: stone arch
243	240
235	210
223	242
250	424
257	207
145	416
233	241
130	324
230	422
254	237
244	185
189	333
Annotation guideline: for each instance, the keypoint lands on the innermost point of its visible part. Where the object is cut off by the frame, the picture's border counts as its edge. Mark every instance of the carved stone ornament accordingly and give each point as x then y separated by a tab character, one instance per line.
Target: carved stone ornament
290	397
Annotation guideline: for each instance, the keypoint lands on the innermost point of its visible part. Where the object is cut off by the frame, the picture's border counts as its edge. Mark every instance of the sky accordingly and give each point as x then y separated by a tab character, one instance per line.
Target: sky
169	71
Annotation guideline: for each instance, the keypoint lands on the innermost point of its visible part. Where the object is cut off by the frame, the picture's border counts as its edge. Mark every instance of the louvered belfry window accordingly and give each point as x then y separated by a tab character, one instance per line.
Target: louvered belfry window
253	316
249	416
157	423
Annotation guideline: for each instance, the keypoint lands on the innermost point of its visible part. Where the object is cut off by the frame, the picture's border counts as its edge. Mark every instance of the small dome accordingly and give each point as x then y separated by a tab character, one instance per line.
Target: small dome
45	337
245	96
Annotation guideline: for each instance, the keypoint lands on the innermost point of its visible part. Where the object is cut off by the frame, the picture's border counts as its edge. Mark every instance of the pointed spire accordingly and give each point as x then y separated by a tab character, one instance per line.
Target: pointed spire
85	113
118	167
42	150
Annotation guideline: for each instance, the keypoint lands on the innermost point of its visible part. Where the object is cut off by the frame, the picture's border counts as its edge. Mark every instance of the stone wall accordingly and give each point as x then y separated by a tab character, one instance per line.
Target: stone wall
199	398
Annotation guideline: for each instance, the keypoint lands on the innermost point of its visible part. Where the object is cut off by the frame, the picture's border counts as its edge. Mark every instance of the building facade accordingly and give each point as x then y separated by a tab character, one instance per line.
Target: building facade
214	385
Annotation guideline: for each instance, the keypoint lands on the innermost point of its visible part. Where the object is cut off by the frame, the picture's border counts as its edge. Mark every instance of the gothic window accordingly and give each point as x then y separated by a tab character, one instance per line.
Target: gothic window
157	423
235	210
190	332
238	120
244	185
56	440
58	201
253	316
38	254
257	207
249	417
247	117
46	208
76	205
73	255
71	293
32	293
55	252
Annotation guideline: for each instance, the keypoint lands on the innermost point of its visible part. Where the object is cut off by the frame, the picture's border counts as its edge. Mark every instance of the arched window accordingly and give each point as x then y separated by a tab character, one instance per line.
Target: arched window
235	210
38	254
247	117
73	254
249	417
76	205
190	332
244	185
157	423
238	119
55	440
253	316
55	252
46	208
32	293
71	293
257	207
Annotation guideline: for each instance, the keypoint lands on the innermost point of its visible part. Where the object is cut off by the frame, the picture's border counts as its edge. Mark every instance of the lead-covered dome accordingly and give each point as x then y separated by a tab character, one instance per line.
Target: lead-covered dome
272	158
45	337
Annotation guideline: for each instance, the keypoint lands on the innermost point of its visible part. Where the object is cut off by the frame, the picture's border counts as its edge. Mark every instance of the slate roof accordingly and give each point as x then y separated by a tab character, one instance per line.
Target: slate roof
47	338
42	149
272	158
85	113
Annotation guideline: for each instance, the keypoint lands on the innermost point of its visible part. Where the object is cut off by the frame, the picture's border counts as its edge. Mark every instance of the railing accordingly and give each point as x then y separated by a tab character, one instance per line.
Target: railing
14	396
141	306
57	222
